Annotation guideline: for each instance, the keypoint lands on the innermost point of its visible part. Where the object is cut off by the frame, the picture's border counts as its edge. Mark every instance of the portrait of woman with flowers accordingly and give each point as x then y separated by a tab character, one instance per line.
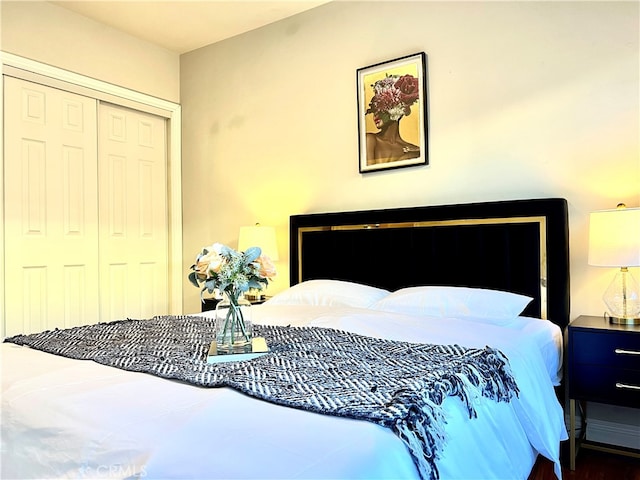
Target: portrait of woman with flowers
392	120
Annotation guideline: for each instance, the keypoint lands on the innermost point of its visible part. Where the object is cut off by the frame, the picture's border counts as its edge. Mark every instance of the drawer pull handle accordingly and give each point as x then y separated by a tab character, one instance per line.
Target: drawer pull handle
627	387
626	352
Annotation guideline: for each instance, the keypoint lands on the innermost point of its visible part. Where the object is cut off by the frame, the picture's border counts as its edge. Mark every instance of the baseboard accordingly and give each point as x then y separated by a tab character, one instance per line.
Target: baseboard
619	426
602	431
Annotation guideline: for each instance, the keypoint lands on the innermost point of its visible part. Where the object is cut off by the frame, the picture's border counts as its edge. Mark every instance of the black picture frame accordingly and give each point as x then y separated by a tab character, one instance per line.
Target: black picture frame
392	114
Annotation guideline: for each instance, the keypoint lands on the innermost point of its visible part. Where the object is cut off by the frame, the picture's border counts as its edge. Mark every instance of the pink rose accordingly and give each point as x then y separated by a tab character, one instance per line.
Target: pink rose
211	262
201	268
266	268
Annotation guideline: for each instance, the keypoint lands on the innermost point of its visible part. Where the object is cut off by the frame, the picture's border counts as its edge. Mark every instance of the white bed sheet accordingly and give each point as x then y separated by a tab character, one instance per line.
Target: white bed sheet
65	418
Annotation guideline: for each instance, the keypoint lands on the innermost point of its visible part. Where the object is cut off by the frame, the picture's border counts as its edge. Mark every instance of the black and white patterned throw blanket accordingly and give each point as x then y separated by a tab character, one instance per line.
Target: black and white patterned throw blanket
398	385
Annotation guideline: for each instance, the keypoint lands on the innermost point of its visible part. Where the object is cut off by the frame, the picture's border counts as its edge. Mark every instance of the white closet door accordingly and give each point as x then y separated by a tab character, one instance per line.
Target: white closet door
133	213
51	205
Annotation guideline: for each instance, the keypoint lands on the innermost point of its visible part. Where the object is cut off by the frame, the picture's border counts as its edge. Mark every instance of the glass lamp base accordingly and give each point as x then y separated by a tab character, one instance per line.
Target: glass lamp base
623	321
622	299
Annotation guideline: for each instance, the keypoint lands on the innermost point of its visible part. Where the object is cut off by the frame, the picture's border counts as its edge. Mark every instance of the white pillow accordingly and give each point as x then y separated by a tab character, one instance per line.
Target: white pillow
329	293
457	302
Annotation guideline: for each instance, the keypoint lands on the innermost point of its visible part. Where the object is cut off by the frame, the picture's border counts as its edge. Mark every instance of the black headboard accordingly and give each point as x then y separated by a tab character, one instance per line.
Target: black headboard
520	246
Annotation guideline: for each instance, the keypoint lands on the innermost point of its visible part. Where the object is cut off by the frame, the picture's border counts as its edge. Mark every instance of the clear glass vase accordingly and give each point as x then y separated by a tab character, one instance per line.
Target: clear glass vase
233	325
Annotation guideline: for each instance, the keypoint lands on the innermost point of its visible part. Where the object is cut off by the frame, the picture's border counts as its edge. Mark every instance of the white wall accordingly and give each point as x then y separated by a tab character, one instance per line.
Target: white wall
56	36
526	100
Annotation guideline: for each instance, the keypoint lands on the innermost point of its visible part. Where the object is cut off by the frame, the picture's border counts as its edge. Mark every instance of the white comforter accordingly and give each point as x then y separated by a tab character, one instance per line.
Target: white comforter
65	418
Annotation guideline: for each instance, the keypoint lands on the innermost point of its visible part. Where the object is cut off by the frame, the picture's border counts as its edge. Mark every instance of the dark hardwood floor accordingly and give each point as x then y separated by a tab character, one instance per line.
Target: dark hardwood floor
592	465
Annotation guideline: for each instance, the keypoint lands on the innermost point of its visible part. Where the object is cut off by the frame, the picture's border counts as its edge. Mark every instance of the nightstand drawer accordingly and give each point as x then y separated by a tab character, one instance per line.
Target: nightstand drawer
613	349
606	385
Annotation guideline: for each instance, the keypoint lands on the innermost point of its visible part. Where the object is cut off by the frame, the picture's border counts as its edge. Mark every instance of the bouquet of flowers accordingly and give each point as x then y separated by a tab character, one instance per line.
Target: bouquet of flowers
219	267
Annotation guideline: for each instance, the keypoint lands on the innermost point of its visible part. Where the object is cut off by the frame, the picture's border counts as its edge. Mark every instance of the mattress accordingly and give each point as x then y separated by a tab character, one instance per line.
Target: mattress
64	418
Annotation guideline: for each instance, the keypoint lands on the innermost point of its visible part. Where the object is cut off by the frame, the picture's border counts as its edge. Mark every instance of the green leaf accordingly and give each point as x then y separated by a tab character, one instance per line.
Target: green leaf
252	254
193	279
210	284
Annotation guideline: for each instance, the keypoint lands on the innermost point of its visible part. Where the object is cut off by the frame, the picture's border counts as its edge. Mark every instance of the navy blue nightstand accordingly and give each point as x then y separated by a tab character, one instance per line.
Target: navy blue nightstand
209	304
604	367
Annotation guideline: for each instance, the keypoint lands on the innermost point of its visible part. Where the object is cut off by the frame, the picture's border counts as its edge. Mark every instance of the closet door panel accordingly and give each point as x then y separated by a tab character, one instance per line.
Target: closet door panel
51	206
133	213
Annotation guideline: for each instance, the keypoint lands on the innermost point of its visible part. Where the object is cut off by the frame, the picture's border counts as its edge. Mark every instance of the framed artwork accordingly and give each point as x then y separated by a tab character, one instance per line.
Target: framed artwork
392	114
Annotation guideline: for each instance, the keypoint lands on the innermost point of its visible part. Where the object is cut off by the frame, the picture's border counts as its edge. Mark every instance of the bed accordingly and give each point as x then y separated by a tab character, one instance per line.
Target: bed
489	277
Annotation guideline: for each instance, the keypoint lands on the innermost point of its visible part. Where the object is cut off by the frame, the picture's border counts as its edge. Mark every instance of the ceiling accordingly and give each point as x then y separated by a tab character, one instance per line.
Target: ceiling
182	26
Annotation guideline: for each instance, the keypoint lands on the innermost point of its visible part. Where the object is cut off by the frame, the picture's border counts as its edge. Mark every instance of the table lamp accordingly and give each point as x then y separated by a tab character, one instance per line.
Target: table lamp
258	236
614	241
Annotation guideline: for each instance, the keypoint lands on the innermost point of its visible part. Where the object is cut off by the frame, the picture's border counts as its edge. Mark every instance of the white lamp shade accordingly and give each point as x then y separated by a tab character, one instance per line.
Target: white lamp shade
259	236
614	238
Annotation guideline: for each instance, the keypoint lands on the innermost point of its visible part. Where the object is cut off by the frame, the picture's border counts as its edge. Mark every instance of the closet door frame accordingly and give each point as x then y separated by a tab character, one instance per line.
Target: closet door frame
27	69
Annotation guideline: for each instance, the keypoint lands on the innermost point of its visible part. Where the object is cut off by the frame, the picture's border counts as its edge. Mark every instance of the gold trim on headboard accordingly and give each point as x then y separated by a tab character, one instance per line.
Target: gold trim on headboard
540	220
